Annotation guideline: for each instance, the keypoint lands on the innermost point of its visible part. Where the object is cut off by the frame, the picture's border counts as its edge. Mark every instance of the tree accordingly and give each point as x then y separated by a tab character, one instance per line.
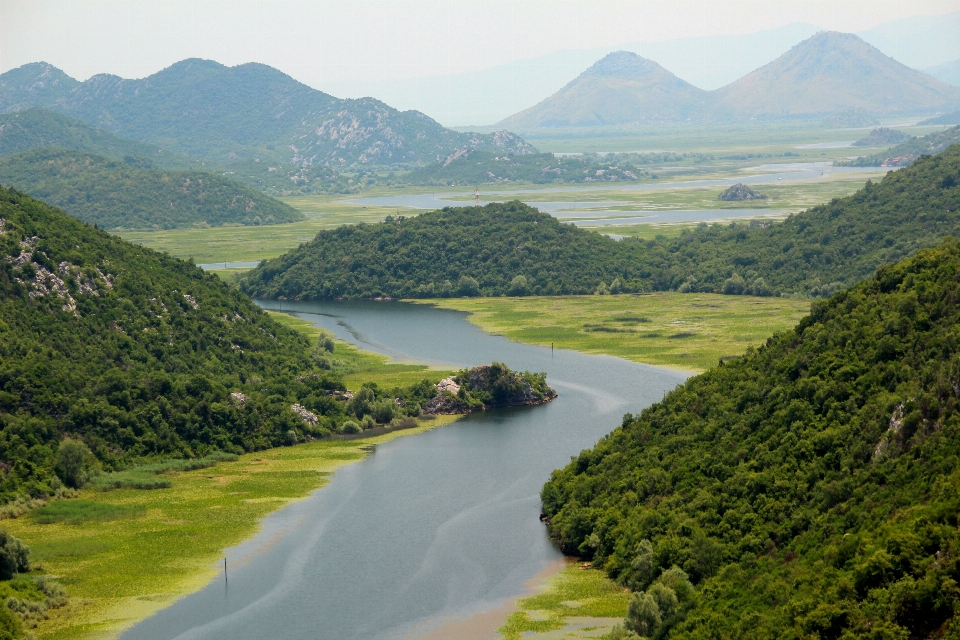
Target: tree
643	615
518	286
468	287
14	556
75	463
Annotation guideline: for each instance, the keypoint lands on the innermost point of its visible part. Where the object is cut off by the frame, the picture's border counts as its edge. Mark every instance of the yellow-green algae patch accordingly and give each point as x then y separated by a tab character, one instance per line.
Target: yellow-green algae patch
577	602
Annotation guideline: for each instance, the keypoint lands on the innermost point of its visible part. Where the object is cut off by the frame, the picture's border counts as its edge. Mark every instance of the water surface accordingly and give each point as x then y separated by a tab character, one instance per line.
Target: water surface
429	526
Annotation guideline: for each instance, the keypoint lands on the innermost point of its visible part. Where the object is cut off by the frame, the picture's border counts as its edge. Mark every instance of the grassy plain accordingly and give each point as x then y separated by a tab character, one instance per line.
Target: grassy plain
126	553
680	330
578	602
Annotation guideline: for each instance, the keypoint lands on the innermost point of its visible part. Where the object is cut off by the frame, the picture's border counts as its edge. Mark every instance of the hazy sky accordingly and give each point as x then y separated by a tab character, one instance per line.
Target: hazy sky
331	41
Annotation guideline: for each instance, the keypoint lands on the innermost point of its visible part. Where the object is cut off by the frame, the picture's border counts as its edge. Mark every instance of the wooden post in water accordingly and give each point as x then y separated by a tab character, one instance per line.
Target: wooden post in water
225	579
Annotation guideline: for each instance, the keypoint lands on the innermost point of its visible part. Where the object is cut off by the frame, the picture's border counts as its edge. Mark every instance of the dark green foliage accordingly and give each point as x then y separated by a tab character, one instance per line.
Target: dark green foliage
150	476
115	194
505	248
809	488
881	136
10	626
495	385
14	556
906	152
137	354
512	249
77	511
74	463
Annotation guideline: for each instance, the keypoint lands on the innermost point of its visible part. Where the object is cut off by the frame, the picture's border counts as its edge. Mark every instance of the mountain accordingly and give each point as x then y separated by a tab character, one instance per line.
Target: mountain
221	114
37	83
833	72
908	151
827	74
135	353
620	88
808	489
918	41
948	72
131	195
513	249
881	137
946	118
38	127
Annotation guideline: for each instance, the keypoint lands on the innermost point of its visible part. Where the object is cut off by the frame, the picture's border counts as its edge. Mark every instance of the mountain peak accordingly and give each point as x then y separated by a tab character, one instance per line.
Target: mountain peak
35	83
623	64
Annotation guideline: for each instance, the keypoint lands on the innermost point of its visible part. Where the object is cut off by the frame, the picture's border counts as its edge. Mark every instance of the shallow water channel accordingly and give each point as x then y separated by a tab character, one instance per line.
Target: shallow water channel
429	527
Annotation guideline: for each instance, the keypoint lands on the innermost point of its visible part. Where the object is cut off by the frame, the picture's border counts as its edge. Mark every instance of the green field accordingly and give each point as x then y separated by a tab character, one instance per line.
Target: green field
125	554
689	331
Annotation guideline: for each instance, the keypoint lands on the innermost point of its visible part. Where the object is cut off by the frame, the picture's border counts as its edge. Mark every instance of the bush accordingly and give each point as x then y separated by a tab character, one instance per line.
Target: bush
75	463
14	556
518	286
350	427
468	287
10	627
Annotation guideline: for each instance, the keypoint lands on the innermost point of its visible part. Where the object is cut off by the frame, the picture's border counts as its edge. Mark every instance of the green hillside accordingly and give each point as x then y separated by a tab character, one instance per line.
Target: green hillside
809	489
483	167
136	353
436	254
37	127
906	152
116	194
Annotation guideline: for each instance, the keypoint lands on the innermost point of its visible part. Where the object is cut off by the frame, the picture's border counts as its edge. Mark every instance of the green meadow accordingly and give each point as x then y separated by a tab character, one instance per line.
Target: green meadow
679	330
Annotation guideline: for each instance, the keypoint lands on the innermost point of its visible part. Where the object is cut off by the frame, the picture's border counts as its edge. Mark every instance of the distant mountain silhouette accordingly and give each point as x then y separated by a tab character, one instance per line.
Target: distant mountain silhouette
828	73
834	72
620	88
205	109
948	72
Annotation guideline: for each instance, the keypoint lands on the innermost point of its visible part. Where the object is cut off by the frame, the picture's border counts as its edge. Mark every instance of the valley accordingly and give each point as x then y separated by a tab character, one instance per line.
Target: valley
692	348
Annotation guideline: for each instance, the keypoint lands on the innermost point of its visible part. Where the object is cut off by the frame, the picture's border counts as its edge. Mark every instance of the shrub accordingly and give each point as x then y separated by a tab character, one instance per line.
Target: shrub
14	556
75	463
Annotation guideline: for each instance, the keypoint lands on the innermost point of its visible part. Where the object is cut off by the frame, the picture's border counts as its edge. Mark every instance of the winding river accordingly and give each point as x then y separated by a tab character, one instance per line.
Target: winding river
429	527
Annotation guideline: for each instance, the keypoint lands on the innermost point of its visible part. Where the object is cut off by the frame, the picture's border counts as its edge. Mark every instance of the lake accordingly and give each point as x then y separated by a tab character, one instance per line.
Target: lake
429	527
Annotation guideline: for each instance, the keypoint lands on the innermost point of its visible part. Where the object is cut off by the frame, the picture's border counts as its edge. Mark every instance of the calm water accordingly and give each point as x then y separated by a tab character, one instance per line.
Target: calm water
429	526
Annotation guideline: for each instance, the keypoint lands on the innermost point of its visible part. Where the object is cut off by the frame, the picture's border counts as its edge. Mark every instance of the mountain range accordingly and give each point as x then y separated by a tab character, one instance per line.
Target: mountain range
827	73
223	114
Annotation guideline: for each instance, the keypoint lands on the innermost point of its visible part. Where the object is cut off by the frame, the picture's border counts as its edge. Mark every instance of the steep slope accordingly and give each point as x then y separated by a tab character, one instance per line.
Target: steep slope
39	127
115	194
36	84
814	253
621	88
834	72
219	113
809	489
134	352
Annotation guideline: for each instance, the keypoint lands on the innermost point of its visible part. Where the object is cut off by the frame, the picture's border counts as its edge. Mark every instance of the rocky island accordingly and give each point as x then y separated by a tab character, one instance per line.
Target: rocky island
487	387
739	192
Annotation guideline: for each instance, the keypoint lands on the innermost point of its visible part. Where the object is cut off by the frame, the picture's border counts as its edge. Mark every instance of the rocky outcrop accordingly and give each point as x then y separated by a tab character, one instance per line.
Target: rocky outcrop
487	387
740	192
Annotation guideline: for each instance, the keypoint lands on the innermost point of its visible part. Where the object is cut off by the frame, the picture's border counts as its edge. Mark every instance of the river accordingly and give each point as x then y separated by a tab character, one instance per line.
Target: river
429	527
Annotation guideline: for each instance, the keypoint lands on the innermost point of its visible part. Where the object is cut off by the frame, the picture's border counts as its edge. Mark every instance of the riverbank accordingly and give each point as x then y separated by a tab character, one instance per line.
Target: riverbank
158	545
685	331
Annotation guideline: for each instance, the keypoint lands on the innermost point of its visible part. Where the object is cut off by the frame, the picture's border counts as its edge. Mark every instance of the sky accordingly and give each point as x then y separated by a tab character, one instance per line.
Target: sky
328	42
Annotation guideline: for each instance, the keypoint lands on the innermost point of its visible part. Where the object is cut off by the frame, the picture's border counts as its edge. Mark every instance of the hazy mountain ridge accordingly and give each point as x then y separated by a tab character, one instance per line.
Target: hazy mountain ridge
827	73
222	114
621	87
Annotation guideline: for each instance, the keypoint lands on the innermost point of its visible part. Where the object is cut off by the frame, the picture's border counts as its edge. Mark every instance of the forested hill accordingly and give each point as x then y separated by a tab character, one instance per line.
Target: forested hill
810	489
513	249
134	352
32	128
908	151
117	194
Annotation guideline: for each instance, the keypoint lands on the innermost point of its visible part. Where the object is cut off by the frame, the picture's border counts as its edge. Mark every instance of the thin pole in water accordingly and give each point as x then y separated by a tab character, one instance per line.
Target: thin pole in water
225	579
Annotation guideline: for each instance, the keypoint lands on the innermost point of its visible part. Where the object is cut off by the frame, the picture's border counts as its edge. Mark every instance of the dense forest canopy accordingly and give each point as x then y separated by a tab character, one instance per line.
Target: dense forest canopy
810	488
513	249
138	355
132	195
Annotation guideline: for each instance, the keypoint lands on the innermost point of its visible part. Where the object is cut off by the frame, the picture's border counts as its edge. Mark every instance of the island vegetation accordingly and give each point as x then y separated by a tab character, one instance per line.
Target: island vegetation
808	488
907	152
512	249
